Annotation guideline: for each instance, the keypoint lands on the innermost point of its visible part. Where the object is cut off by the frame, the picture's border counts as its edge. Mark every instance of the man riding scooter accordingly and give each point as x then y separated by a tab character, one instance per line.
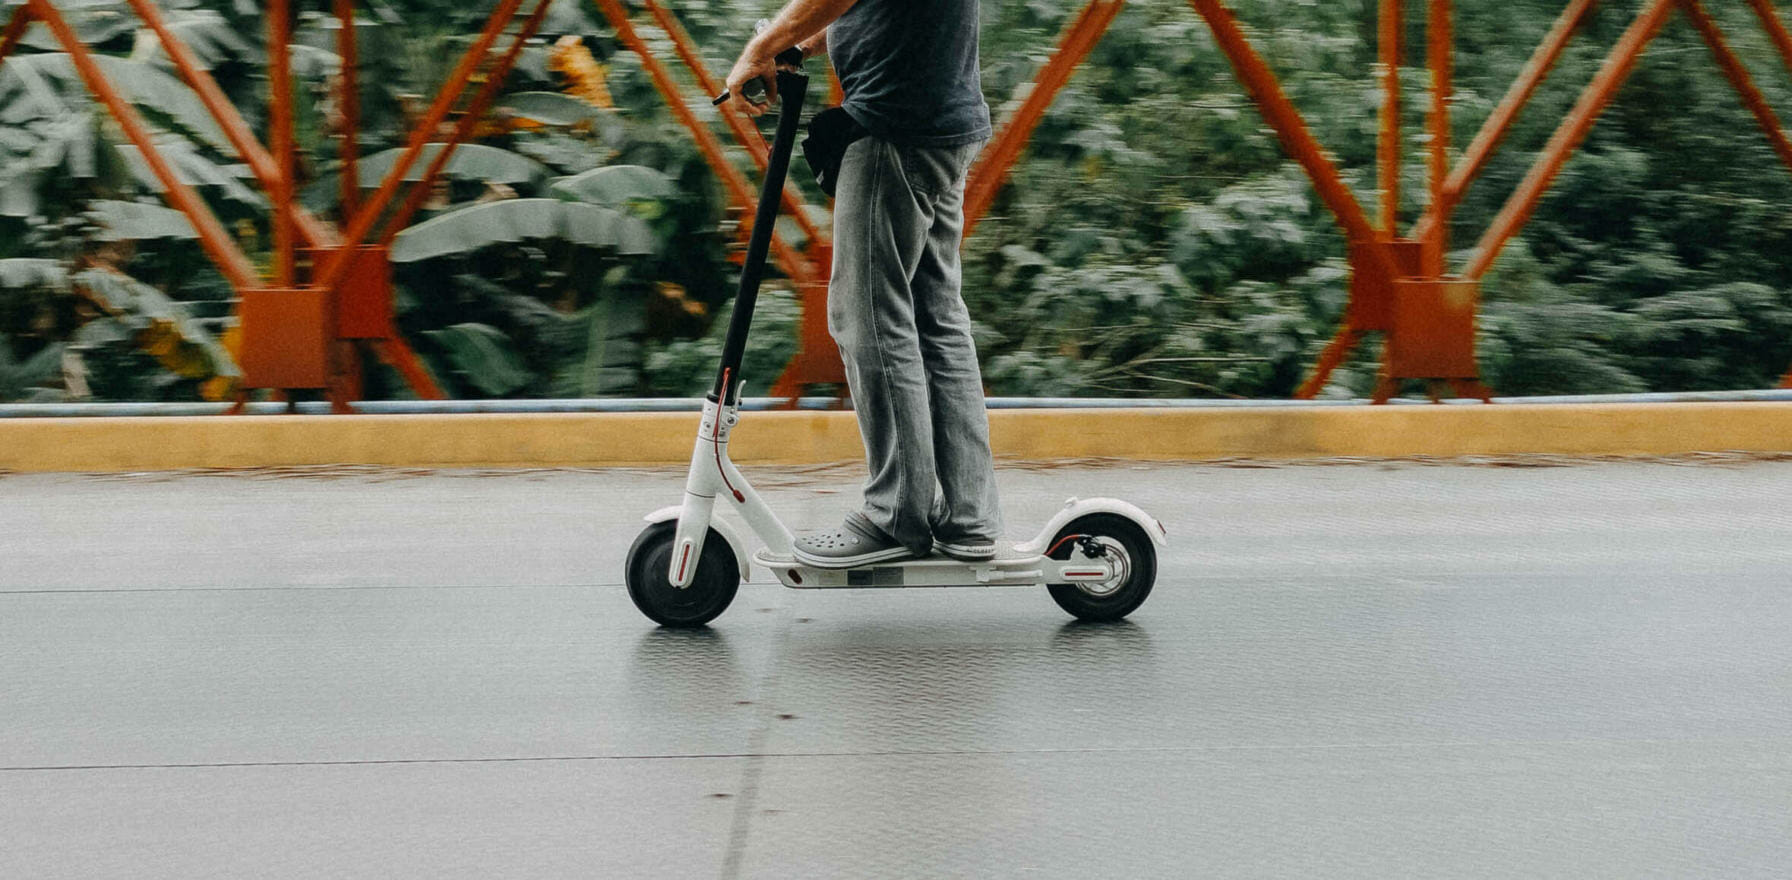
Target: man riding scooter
912	121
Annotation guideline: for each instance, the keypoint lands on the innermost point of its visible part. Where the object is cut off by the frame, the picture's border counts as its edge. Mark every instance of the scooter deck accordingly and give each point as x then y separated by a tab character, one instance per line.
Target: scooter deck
936	571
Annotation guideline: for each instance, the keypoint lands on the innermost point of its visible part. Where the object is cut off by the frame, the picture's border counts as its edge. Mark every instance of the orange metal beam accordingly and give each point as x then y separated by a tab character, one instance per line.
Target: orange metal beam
740	192
1738	75
364	220
1290	128
1776	29
1330	359
1618	64
223	112
744	131
1494	130
494	82
212	238
1440	40
279	23
1078	39
349	99
1390	26
396	353
393	349
15	30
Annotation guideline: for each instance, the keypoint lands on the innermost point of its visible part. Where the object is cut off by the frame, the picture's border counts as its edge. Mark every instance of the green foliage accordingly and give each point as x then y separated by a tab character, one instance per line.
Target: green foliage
598	349
159	324
483	356
1155	241
686	368
1661	260
22	380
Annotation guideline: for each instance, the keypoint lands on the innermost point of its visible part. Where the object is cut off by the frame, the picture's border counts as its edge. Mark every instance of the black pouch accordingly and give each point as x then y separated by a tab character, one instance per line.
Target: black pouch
830	133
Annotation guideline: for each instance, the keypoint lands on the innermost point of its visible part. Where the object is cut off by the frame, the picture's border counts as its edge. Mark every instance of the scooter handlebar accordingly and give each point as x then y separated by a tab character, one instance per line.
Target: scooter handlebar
755	89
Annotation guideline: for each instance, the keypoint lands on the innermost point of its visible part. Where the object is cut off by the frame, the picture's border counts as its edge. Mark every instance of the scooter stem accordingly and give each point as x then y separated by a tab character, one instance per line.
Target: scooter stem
708	475
793	89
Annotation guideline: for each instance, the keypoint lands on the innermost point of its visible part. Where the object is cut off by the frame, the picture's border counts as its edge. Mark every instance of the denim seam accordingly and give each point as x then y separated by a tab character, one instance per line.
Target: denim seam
877	342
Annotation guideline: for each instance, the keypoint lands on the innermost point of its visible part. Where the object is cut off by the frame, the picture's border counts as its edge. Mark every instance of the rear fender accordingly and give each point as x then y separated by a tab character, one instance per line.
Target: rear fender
1078	507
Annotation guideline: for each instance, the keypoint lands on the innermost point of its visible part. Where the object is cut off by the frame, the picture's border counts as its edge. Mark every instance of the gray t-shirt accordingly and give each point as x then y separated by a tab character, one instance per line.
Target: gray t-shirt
909	70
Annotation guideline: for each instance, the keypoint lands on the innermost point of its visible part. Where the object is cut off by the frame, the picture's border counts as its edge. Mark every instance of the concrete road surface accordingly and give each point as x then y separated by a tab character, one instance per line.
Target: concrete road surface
1368	671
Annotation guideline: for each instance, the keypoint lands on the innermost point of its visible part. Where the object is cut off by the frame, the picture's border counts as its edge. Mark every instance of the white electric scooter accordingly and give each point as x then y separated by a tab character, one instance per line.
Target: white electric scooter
1096	556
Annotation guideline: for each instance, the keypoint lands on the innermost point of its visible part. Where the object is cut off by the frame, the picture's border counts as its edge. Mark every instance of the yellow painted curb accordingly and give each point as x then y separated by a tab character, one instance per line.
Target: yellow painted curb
618	439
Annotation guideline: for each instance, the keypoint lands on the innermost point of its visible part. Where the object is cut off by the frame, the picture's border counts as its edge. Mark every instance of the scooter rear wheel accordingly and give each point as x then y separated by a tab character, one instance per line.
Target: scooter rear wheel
712	588
1128	548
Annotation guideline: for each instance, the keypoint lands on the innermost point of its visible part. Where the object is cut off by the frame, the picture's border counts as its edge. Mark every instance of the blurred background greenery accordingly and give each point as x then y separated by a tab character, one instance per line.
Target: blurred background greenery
1154	242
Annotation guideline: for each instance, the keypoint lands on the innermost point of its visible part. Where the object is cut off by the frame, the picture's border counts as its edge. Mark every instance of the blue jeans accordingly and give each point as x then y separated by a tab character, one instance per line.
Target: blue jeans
895	309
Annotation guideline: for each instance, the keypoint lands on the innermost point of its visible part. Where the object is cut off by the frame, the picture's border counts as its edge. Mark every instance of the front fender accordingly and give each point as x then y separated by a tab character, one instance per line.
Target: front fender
728	533
1077	507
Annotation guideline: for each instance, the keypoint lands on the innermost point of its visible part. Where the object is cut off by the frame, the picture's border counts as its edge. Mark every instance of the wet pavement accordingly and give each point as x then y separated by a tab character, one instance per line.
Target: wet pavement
1366	671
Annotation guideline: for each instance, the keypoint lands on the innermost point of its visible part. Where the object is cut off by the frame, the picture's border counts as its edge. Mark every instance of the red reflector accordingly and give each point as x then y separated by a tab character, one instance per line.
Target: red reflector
684	558
795	578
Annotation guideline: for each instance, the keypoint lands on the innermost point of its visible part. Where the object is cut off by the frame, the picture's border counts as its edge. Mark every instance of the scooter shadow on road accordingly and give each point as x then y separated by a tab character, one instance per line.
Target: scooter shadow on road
1119	638
871	680
676	669
881	684
1110	677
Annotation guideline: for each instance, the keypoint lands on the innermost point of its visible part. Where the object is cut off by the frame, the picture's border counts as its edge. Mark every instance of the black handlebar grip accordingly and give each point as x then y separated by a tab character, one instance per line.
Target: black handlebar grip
755	89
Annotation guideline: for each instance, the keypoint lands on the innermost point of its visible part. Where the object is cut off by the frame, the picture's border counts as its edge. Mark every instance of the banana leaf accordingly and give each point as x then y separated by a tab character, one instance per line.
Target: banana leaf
24	272
70	139
137	221
615	186
41	149
153	90
208	34
483	356
160	324
476	162
192	169
462	232
93	22
548	108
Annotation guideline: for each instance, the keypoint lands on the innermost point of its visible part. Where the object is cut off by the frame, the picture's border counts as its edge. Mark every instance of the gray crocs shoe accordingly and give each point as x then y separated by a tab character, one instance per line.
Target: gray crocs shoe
856	542
966	549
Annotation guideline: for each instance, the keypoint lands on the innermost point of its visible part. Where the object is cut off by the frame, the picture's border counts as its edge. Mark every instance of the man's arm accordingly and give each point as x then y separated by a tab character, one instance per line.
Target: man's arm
802	23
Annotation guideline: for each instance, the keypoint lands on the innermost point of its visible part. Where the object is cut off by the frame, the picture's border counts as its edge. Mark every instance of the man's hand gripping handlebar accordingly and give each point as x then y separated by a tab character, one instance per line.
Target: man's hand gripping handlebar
760	87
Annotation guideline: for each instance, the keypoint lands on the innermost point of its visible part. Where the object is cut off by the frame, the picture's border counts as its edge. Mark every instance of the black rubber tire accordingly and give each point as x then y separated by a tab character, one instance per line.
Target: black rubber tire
1126	599
711	590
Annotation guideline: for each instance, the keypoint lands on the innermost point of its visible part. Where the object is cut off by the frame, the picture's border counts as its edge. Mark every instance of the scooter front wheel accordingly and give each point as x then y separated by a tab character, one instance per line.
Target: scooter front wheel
712	587
1126	547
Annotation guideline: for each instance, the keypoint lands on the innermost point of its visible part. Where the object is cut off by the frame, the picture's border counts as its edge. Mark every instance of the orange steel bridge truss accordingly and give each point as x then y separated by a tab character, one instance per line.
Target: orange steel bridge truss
300	327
